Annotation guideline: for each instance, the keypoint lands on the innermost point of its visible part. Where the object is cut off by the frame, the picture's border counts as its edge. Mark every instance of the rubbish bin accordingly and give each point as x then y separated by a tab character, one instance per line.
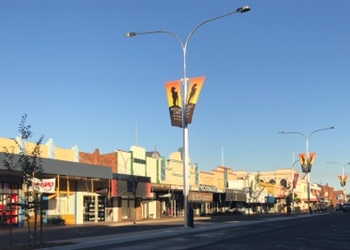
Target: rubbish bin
190	217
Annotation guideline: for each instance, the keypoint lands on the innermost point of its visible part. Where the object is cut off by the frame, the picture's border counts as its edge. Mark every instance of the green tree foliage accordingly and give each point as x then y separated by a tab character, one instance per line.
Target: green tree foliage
29	163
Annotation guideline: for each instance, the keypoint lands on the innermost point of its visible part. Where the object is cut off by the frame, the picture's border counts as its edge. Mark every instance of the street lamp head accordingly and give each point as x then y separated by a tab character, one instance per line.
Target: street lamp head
130	34
332	127
281	132
243	9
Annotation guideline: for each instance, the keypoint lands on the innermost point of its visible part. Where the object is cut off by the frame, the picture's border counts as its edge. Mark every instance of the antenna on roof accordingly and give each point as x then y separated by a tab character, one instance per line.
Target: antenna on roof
136	133
222	156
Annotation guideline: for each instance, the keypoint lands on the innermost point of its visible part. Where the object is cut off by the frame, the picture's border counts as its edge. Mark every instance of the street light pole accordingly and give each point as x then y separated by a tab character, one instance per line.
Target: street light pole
293	182
307	138
184	95
344	183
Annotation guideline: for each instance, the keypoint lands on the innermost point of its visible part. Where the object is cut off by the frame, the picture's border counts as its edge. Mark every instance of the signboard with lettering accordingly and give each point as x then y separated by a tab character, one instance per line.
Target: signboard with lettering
113	187
160	186
200	197
44	185
207	188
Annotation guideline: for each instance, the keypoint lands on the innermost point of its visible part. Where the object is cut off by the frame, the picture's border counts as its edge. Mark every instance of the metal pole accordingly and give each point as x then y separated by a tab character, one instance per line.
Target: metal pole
184	97
343	186
308	174
185	135
307	157
344	183
293	182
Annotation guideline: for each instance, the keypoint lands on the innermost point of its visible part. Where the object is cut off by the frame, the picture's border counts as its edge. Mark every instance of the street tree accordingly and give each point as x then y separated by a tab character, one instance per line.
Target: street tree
28	162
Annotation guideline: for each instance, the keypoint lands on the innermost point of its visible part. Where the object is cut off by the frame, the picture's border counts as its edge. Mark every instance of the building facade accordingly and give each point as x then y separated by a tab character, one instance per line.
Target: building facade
136	185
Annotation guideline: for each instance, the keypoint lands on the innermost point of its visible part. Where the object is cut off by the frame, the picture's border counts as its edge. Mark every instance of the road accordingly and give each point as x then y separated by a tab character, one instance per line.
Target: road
77	233
316	232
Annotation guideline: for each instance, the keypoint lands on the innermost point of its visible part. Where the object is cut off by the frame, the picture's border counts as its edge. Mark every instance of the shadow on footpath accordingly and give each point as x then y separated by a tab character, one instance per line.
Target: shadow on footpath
70	232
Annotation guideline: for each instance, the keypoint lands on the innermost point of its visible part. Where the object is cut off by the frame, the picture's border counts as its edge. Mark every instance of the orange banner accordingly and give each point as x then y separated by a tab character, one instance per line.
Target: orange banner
173	93
311	158
302	160
194	89
343	180
305	163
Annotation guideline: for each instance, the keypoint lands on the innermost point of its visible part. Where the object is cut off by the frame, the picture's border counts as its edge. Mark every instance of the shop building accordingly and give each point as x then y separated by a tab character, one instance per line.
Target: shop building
136	185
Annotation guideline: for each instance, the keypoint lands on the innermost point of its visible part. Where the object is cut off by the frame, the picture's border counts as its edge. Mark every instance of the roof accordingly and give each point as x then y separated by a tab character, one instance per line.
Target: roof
66	168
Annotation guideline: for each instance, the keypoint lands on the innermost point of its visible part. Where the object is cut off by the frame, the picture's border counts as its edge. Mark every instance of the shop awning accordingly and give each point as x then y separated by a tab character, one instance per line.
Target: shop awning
311	199
235	195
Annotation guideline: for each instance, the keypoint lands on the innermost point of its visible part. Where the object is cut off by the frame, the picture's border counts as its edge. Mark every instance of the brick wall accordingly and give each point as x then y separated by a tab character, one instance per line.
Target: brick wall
108	160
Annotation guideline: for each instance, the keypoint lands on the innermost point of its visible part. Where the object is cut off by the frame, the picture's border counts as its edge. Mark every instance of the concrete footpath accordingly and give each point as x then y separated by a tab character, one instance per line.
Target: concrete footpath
200	225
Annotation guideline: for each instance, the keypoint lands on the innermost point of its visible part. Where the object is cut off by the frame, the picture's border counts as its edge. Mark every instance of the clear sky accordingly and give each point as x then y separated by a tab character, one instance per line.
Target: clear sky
285	65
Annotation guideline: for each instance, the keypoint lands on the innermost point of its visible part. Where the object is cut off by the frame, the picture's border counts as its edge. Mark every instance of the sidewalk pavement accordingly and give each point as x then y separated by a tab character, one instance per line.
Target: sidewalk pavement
100	241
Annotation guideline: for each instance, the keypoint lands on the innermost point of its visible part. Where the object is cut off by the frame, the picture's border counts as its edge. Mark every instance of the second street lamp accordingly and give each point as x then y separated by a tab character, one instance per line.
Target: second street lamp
343	183
307	138
184	95
293	180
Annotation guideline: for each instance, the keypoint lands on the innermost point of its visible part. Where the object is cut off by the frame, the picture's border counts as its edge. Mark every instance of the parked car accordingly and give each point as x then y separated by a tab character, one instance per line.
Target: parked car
346	207
330	207
339	207
319	207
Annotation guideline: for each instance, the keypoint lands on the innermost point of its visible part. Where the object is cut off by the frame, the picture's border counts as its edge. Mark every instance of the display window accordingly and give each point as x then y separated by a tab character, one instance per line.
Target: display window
8	203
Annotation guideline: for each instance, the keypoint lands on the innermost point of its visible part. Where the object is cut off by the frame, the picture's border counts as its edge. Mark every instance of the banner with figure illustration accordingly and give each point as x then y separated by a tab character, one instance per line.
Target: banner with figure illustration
343	179
311	159
173	93
194	89
174	97
305	163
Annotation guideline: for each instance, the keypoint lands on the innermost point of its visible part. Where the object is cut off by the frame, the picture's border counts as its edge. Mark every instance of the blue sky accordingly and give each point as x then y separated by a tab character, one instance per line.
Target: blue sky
285	65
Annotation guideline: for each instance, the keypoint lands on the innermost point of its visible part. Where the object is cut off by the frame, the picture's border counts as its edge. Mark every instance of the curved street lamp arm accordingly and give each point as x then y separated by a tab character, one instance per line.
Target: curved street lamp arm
184	45
298	133
239	10
317	130
348	163
294	163
132	34
306	137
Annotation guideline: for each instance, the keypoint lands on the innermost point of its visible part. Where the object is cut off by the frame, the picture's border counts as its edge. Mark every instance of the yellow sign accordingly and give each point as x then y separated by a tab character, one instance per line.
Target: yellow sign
270	188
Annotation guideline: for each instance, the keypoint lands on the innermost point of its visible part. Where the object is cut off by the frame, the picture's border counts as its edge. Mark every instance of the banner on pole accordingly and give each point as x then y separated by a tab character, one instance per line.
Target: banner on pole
311	159
305	163
173	93
194	90
343	180
295	180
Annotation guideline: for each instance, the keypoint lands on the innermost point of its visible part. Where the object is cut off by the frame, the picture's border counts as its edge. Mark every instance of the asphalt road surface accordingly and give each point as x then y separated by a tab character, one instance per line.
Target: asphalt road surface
329	231
305	232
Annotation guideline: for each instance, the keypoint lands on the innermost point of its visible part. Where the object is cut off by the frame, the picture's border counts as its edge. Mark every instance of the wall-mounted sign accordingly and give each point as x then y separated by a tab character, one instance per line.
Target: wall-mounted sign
207	188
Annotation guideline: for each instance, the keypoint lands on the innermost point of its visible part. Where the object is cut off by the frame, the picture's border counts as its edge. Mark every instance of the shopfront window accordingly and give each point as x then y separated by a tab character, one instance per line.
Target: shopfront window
8	203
